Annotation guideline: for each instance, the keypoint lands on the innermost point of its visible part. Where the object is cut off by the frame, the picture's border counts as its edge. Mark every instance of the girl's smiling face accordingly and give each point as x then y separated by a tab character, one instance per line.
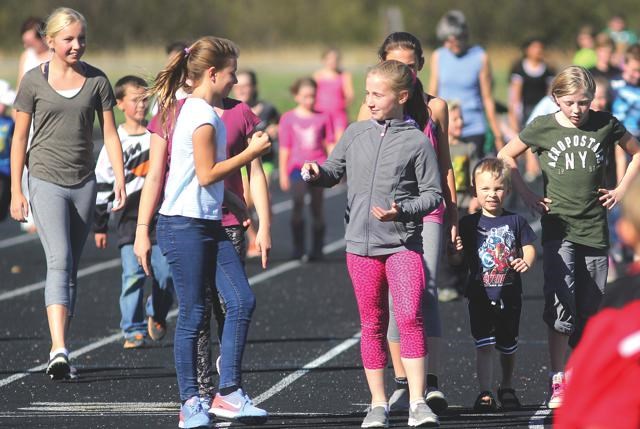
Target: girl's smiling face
575	107
69	43
382	101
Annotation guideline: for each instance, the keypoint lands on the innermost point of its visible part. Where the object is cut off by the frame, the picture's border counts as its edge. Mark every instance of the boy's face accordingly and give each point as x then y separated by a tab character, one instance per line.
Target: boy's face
306	97
455	123
134	104
599	98
631	71
575	107
491	192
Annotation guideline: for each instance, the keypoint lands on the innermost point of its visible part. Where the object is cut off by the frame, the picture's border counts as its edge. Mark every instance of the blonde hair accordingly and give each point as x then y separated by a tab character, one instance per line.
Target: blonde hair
571	80
189	65
454	105
630	206
61	18
402	78
496	167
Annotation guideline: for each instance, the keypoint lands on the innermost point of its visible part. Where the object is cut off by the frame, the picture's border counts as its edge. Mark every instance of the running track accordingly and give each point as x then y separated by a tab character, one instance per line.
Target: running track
302	362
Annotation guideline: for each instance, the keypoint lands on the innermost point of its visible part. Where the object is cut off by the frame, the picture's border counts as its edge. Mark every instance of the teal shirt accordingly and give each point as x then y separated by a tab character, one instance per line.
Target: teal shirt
573	168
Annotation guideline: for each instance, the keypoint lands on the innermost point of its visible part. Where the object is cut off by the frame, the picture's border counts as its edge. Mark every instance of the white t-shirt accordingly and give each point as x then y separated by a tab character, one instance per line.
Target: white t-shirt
183	195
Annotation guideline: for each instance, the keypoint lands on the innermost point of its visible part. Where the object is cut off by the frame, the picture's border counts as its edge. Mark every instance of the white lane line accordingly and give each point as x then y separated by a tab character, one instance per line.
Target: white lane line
112	263
254	280
92	269
537	420
291	378
19	239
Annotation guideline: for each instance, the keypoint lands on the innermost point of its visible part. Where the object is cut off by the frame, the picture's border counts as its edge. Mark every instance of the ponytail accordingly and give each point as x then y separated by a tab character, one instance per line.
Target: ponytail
186	69
416	106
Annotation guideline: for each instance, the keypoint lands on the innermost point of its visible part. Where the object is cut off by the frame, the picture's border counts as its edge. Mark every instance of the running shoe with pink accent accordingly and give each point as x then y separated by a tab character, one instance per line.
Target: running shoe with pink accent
557	390
238	407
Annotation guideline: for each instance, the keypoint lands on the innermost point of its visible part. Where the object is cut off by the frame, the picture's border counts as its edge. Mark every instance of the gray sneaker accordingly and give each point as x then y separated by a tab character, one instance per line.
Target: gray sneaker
421	415
377	417
436	400
399	401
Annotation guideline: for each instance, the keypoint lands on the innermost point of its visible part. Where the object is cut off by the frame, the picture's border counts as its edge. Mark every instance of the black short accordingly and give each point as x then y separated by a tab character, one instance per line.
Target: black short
496	324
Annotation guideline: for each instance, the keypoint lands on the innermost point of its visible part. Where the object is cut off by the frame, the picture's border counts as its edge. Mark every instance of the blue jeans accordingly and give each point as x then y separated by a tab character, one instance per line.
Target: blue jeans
133	319
199	254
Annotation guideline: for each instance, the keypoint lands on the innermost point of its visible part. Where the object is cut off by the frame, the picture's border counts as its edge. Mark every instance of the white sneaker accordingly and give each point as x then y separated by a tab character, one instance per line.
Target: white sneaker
237	406
436	400
557	390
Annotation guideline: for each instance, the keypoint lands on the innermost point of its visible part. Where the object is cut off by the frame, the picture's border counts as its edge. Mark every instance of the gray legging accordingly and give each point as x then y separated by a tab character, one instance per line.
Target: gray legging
431	245
63	216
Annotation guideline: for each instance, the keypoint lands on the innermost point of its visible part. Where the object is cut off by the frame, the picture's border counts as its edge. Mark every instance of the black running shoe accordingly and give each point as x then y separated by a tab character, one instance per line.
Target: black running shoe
58	367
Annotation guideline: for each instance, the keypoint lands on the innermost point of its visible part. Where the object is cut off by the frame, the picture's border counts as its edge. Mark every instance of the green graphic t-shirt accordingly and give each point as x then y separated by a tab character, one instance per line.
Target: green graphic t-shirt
573	167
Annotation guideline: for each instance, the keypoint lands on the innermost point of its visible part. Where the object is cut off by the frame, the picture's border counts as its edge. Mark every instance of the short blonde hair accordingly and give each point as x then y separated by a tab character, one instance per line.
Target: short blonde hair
61	18
630	206
571	80
496	167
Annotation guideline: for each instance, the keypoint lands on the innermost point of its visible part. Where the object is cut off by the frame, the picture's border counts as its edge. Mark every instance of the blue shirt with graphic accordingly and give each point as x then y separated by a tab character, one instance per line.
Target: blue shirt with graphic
6	133
626	105
490	244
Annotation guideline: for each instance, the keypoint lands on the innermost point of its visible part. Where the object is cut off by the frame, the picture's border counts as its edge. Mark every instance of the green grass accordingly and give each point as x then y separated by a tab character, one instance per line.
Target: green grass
276	70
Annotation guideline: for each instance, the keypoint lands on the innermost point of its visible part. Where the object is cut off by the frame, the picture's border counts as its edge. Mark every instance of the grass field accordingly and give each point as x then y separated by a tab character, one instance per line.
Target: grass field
278	69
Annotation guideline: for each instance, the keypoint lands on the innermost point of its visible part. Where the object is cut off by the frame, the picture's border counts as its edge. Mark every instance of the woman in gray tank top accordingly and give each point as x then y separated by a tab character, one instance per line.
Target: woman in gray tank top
61	99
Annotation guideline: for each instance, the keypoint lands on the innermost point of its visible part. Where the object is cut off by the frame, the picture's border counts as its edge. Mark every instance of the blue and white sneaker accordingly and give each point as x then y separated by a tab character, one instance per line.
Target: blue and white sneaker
237	406
192	415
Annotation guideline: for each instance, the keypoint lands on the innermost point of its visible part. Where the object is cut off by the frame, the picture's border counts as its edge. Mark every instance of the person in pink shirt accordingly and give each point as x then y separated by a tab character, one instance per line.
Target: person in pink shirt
304	134
335	91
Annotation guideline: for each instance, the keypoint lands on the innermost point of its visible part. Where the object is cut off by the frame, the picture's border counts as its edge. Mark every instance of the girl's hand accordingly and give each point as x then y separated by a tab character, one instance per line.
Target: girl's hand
259	144
263	243
19	207
386	215
101	240
536	203
519	265
142	248
454	233
609	197
454	251
121	196
310	171
237	207
457	244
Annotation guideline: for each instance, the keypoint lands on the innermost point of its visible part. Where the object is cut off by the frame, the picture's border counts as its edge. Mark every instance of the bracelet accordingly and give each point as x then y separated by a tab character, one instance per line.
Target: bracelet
143	224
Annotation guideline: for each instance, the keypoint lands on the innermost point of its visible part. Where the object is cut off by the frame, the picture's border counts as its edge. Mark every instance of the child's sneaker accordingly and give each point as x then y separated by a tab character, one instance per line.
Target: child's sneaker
237	406
157	329
58	367
192	415
421	415
377	417
134	341
399	401
436	400
557	390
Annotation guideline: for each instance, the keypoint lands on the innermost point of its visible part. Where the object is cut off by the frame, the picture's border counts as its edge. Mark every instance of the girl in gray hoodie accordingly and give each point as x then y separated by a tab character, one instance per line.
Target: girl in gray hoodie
393	180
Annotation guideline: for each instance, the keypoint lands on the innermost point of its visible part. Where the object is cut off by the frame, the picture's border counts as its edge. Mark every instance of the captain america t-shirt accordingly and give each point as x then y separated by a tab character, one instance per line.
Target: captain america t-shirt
490	244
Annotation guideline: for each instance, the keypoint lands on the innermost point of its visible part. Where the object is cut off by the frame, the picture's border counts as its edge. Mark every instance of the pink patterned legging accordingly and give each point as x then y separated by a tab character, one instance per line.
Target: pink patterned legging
373	276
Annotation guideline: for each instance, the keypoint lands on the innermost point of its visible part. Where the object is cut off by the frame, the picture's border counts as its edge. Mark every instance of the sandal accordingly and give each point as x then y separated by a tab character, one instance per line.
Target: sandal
508	399
485	402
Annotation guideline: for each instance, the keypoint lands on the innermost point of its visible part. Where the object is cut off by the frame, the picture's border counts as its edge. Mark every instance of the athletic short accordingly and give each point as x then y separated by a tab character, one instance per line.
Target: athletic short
574	281
497	324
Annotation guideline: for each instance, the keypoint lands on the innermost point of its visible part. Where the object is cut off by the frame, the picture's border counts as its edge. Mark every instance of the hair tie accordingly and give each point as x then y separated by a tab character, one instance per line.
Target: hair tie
187	50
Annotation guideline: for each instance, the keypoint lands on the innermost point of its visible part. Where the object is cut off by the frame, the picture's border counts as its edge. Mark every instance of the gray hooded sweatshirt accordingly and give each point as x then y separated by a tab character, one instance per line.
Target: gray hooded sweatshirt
384	162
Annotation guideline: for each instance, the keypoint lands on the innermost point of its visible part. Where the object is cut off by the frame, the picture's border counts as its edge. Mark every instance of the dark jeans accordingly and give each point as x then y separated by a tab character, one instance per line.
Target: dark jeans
199	253
214	304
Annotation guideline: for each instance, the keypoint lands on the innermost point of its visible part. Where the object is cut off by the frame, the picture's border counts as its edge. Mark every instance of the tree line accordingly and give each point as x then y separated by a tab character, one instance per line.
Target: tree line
116	24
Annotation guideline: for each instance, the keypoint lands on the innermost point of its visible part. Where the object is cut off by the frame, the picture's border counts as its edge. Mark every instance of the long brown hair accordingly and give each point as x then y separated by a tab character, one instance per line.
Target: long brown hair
186	68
